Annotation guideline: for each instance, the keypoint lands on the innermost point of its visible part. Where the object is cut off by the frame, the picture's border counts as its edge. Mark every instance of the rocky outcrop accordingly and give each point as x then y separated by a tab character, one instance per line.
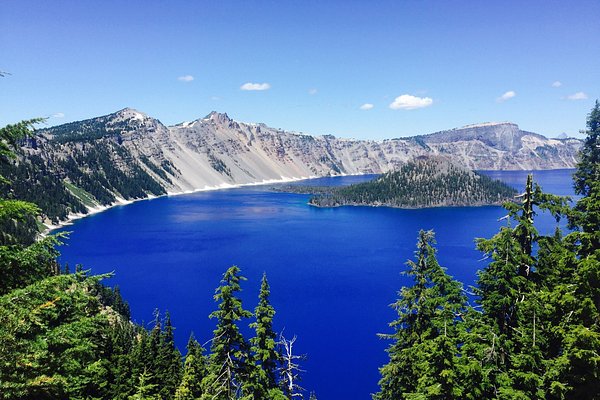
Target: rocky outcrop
217	151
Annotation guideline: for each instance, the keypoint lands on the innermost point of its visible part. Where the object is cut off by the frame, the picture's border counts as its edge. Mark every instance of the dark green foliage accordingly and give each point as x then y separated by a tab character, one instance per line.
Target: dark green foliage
169	359
21	266
588	168
193	371
264	345
17	217
89	156
230	365
10	136
89	130
145	389
427	182
586	216
51	341
106	177
156	355
18	222
423	356
33	180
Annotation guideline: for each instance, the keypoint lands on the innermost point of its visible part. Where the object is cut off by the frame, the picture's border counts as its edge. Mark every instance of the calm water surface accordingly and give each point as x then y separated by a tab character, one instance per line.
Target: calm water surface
333	272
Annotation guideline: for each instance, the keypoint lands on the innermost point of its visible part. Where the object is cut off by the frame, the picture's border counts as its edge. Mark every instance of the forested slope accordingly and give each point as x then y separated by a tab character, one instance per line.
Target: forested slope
423	182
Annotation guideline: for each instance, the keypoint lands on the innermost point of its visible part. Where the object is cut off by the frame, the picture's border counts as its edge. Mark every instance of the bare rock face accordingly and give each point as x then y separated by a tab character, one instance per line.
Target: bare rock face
503	146
216	150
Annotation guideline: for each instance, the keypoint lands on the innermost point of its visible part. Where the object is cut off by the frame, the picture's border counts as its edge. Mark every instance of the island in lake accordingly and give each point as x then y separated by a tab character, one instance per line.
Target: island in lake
421	183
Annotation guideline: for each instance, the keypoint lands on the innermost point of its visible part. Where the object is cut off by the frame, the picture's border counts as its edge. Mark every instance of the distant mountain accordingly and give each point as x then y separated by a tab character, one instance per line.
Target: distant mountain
502	146
129	155
428	181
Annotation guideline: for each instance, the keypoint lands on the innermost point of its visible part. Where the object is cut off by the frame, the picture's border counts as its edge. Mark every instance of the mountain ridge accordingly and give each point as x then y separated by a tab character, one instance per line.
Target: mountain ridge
129	155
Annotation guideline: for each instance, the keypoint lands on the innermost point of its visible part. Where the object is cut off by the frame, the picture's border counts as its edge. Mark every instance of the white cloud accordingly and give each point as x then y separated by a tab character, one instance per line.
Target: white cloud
577	96
58	115
185	78
312	91
408	102
556	84
367	106
255	86
506	96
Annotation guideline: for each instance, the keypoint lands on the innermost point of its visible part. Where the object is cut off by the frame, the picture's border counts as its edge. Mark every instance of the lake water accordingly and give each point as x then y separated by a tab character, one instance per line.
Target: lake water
333	272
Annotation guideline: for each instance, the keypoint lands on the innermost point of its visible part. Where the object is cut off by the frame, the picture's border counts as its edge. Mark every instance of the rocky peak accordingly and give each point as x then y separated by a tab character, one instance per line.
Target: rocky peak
501	135
218	118
129	114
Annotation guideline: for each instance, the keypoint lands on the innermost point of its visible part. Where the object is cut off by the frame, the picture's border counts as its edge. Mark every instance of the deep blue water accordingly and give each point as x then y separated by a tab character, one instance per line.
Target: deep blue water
333	272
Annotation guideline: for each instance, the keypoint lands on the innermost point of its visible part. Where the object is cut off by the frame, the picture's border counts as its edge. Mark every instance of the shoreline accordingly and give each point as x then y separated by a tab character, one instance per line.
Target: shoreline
123	202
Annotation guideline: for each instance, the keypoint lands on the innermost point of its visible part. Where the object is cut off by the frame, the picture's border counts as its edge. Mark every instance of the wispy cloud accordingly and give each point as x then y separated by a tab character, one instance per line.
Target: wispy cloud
409	102
312	91
577	96
506	96
58	115
255	86
366	106
556	84
185	78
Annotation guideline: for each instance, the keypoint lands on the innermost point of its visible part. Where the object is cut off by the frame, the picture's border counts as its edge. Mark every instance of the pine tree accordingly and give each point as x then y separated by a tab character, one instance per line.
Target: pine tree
229	365
423	357
575	371
169	366
145	390
587	184
193	372
264	346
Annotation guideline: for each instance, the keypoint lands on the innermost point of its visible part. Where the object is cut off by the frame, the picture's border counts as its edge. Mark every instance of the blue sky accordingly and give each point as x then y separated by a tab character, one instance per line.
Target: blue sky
413	67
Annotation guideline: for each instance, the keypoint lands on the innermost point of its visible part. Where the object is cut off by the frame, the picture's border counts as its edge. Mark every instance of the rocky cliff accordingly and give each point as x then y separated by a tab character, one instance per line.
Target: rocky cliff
128	155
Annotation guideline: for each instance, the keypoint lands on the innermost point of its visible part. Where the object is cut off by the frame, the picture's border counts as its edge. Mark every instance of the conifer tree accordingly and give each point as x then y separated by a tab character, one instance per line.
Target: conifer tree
169	366
145	390
587	184
193	371
423	361
229	365
513	292
575	371
264	346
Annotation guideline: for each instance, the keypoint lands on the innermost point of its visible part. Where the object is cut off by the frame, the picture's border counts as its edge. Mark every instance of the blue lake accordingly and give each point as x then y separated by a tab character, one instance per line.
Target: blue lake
333	272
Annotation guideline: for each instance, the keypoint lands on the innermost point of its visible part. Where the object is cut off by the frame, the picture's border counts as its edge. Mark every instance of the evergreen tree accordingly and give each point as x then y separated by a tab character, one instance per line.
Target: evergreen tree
575	371
169	366
423	357
264	346
17	217
515	291
229	365
587	184
145	389
193	371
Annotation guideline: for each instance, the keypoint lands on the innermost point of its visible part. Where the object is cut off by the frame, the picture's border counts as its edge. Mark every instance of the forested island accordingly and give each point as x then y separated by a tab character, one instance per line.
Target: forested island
423	182
533	331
